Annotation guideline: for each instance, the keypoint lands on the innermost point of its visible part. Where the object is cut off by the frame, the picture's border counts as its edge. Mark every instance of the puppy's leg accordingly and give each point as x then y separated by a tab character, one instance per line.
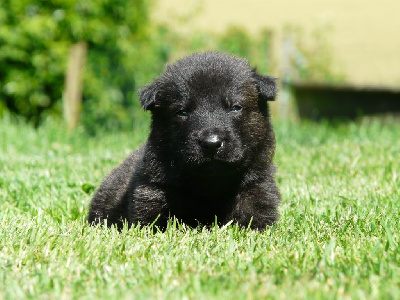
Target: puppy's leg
257	204
110	202
149	206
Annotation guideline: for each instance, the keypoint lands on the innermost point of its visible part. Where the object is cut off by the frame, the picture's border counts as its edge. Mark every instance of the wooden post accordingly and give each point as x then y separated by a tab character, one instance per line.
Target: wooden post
73	84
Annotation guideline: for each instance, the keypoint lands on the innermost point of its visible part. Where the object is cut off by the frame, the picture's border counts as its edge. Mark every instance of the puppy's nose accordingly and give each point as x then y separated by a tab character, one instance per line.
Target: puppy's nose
211	143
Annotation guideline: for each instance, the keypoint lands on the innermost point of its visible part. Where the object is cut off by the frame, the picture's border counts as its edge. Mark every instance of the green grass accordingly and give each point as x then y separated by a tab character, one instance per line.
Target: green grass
338	236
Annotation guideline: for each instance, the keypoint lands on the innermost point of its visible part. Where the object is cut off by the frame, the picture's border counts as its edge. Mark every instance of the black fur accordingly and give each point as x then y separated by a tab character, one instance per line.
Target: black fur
209	153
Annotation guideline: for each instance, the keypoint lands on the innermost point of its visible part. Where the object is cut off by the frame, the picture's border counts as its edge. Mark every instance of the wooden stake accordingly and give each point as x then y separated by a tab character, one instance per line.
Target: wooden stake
73	84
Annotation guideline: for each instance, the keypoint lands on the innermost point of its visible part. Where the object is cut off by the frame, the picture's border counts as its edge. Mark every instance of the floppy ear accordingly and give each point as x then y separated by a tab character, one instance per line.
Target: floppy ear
266	86
148	95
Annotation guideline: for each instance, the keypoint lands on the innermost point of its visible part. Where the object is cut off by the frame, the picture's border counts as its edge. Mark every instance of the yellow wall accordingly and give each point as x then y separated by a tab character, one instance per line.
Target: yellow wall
365	36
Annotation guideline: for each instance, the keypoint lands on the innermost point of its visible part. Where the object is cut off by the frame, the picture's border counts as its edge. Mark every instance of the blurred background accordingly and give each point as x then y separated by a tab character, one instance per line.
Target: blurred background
85	60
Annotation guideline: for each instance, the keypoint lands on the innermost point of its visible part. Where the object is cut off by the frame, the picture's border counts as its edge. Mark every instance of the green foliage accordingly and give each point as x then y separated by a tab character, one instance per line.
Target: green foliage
124	53
236	41
338	236
35	37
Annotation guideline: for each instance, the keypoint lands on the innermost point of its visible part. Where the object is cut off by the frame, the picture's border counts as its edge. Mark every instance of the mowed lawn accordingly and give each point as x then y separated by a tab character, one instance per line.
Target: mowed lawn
338	236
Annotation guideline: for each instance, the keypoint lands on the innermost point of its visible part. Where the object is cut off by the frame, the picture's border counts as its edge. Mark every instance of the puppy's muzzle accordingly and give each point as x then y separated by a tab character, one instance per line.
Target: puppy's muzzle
211	143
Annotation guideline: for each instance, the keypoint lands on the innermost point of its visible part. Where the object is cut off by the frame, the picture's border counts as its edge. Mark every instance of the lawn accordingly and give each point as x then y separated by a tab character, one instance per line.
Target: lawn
338	236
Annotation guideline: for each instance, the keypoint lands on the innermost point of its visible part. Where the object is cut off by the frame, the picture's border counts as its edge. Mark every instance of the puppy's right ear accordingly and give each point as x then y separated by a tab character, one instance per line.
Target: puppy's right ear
266	86
148	95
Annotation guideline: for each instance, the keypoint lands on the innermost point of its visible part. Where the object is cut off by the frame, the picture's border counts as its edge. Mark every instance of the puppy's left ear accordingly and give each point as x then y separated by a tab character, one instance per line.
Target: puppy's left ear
266	86
149	94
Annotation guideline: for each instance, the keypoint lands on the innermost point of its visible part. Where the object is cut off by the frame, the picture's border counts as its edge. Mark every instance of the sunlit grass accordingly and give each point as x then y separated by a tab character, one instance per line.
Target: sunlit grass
337	236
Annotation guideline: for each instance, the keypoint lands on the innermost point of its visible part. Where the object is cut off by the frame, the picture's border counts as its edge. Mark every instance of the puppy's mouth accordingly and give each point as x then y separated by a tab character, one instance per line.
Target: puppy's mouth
199	160
213	167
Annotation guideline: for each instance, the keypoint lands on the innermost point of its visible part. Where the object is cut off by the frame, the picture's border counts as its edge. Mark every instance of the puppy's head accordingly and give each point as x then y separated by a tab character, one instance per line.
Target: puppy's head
210	113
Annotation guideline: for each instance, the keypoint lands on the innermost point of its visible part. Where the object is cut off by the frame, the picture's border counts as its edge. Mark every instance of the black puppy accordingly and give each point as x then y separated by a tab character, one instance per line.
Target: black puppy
209	153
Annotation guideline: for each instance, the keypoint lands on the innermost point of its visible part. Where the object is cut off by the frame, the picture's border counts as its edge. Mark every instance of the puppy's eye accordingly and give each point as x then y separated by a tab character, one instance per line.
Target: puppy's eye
182	113
236	108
